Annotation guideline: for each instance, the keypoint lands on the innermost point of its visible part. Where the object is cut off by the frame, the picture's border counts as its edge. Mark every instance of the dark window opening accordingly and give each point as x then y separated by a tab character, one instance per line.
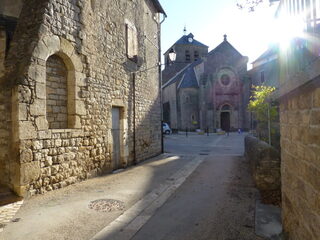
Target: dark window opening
196	56
188	57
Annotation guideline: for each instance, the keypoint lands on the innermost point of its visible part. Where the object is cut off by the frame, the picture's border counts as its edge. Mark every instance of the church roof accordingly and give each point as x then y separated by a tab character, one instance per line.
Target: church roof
184	40
186	78
223	45
189	79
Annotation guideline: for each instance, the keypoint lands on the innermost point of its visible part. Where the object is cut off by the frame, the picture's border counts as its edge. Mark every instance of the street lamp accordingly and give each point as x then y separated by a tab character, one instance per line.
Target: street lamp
172	55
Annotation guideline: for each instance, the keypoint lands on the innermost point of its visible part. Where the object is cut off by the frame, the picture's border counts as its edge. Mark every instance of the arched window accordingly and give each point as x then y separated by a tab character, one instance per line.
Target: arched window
226	107
56	93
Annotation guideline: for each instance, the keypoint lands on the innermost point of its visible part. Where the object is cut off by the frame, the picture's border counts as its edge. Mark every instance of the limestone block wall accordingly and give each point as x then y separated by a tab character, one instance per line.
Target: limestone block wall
89	37
5	135
3	44
5	117
300	170
56	93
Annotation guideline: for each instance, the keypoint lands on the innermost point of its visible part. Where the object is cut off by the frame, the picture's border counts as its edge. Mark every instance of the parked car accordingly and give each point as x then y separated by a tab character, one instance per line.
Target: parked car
166	128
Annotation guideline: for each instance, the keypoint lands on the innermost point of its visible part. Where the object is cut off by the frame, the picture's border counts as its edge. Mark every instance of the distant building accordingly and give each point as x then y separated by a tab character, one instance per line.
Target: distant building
265	69
206	90
188	50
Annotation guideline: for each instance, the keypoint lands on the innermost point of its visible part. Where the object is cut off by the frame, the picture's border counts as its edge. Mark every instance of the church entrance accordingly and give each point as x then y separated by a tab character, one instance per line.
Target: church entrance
225	121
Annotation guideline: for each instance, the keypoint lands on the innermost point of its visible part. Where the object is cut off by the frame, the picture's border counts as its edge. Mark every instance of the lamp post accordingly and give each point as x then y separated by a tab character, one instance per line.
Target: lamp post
172	58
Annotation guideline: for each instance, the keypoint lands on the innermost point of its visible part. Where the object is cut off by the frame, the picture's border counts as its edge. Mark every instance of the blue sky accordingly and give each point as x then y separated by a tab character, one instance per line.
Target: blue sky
209	20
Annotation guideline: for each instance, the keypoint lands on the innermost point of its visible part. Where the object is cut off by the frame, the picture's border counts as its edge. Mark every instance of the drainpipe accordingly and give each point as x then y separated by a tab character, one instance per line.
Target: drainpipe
134	118
160	80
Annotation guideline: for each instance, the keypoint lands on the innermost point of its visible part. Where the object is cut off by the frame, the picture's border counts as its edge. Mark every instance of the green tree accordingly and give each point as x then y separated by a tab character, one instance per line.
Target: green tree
265	112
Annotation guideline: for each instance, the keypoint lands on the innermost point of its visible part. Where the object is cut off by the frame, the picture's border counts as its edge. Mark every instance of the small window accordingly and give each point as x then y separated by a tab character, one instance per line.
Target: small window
132	40
262	77
188	58
196	56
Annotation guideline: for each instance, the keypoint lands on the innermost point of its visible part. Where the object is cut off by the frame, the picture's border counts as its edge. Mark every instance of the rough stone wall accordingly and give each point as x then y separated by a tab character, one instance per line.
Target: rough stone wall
4	117
265	163
3	44
300	170
90	38
5	135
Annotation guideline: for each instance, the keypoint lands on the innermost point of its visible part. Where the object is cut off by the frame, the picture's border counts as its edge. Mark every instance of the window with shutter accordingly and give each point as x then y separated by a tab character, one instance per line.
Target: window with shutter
132	40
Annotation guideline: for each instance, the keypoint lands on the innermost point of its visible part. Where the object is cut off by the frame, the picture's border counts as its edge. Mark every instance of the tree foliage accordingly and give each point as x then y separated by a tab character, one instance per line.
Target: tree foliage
259	103
265	113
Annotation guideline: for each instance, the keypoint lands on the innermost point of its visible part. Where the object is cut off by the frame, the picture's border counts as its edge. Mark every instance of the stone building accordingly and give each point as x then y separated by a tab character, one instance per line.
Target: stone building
299	96
265	69
188	50
76	99
210	92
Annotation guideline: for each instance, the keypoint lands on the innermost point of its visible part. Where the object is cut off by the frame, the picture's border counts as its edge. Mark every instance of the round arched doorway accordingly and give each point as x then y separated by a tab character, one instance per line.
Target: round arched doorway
225	113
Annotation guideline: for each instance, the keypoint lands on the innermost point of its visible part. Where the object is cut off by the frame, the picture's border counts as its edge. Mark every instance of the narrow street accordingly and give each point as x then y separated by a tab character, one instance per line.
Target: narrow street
200	189
216	202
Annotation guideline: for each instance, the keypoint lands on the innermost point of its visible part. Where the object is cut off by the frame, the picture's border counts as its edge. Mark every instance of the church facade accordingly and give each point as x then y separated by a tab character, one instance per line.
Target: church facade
206	90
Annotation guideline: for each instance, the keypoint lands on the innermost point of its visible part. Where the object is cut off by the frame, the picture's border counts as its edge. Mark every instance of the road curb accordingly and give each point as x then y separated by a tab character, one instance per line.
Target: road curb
130	222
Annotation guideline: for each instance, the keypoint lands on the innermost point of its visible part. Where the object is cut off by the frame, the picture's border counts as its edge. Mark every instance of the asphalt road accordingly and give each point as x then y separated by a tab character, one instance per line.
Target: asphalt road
216	201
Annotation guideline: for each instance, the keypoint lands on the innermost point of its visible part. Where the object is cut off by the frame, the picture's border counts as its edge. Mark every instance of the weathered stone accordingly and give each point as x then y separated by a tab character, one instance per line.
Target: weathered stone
265	163
41	51
38	107
37	145
48	161
23	114
66	47
27	130
53	44
26	156
41	123
40	91
29	172
80	108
